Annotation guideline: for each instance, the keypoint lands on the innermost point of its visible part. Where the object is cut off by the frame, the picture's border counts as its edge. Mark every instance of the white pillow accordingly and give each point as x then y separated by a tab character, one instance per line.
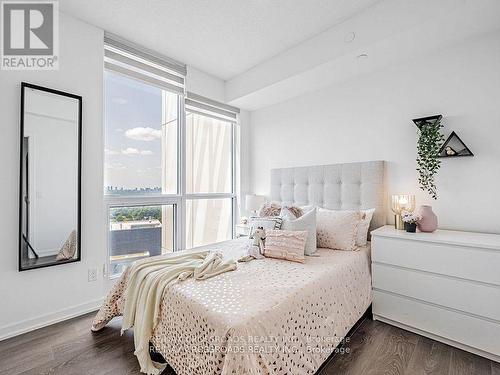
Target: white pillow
306	222
337	229
363	226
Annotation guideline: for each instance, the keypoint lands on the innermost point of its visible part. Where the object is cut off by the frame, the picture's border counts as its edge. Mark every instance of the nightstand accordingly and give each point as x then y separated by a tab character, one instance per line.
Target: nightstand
242	230
444	285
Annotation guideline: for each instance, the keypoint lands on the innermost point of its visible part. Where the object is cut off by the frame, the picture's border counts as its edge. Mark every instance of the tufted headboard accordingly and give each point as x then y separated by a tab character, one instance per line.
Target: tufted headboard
336	186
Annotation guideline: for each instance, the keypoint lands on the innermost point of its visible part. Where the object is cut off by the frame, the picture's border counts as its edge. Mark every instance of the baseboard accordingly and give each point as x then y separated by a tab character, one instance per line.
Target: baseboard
456	344
48	319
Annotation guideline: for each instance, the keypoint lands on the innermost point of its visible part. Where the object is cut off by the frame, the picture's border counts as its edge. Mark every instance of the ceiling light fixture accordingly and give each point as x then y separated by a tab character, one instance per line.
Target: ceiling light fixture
349	37
362	56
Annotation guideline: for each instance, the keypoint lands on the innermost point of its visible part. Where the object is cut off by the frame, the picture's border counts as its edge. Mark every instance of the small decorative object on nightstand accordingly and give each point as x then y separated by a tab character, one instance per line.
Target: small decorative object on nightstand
410	220
444	285
428	220
400	203
242	230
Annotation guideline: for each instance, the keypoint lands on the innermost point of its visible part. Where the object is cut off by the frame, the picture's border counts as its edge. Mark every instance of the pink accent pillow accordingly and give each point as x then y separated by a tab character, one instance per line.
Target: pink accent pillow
337	229
286	244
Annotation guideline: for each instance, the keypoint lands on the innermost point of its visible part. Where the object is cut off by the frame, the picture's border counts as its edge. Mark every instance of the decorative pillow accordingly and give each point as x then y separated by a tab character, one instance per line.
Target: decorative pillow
337	229
306	222
266	223
275	209
285	244
68	250
296	211
270	209
363	226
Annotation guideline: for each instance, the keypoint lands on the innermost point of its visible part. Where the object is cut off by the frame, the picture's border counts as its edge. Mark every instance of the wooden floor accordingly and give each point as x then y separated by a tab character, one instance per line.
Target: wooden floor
69	348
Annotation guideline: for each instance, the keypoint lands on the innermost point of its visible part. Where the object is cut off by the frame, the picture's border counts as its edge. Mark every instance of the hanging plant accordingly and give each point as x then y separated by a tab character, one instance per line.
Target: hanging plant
429	142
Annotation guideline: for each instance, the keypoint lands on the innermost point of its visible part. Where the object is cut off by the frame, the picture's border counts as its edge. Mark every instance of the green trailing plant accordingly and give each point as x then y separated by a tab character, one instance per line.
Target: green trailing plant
429	142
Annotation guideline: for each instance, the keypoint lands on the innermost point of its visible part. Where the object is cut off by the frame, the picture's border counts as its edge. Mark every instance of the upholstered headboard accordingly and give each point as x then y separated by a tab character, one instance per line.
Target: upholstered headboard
336	186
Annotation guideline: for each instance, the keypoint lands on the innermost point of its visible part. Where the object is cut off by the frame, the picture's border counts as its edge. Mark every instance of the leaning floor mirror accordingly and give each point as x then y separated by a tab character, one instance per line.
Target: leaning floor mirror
50	186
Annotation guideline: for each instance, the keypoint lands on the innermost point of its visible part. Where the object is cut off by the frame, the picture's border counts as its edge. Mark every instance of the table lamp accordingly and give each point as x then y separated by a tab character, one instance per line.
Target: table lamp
400	203
253	202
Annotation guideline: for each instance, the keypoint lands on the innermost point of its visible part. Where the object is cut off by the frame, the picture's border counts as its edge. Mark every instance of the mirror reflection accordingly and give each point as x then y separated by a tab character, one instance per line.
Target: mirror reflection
50	177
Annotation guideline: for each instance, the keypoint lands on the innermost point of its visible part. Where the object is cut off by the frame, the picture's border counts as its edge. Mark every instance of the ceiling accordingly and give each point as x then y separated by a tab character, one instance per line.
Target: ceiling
222	37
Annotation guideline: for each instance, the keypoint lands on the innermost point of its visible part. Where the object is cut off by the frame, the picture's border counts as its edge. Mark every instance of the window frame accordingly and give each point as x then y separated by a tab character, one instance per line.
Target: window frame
177	200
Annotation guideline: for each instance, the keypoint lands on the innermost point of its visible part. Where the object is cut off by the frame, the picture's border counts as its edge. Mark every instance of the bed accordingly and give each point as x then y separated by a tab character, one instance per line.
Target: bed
272	316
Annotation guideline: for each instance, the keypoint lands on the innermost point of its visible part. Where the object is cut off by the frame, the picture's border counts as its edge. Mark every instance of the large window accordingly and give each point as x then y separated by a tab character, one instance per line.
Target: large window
141	137
169	161
137	232
209	179
208	154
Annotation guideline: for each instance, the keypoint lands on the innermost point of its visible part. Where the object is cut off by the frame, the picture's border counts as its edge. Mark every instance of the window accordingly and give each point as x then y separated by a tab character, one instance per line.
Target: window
210	161
169	160
141	137
137	232
208	155
208	221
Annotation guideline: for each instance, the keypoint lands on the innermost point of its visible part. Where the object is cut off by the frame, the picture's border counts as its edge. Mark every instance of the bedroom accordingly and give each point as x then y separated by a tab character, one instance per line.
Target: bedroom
182	130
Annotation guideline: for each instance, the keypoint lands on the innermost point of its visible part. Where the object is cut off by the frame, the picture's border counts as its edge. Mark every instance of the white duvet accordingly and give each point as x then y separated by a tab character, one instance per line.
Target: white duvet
267	317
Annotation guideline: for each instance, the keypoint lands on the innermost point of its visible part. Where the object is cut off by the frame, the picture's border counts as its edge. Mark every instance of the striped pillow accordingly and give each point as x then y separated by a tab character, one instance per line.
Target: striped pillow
266	223
285	244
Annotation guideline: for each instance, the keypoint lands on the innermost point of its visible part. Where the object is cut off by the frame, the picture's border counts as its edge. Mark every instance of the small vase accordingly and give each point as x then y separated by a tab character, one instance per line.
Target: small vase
428	221
411	228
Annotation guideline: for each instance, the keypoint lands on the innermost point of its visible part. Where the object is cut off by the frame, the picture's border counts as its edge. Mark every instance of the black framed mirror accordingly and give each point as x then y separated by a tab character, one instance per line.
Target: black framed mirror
50	177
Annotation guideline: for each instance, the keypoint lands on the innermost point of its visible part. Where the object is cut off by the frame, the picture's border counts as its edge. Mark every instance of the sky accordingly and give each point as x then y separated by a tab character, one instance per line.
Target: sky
133	133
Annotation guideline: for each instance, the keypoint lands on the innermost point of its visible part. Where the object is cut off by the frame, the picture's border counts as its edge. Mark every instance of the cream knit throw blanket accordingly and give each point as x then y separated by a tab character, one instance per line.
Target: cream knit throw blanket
147	281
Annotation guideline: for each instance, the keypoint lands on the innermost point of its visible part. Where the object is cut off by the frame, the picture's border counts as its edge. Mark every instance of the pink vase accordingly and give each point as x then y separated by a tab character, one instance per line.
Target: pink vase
429	220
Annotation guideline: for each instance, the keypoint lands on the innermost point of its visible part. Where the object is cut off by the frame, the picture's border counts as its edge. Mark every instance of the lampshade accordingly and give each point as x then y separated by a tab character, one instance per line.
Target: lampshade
253	202
402	202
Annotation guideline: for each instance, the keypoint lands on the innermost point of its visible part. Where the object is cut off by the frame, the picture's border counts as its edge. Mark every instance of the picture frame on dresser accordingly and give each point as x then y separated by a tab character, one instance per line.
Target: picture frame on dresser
444	285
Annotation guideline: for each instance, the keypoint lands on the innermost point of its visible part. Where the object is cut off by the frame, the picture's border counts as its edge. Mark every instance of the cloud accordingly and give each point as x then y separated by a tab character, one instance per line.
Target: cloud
114	166
143	134
107	151
134	151
119	100
130	151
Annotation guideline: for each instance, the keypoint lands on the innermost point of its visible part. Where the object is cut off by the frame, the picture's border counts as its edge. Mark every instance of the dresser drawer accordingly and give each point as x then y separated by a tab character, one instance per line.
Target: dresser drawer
471	297
474	332
465	262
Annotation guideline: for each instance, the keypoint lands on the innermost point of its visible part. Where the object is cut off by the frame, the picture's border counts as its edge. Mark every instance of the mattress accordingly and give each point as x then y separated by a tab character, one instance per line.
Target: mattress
269	316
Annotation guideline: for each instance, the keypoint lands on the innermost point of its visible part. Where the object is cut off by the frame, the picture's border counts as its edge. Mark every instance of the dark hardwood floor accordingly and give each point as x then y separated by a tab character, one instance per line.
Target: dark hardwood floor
69	348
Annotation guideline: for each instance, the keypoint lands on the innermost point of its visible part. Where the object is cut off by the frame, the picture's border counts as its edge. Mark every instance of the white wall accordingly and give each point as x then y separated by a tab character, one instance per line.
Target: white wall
35	297
369	118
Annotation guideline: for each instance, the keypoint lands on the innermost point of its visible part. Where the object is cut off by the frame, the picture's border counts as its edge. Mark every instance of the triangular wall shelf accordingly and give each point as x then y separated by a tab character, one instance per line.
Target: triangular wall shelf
454	147
430	120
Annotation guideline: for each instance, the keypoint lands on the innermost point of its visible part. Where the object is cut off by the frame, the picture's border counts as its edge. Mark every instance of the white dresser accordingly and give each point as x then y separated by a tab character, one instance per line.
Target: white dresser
444	285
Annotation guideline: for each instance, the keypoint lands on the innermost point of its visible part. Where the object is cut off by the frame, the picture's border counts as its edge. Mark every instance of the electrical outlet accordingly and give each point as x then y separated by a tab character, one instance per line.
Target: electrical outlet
92	274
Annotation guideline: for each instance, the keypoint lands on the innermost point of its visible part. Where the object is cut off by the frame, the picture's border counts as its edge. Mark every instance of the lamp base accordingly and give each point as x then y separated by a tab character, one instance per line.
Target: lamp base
398	222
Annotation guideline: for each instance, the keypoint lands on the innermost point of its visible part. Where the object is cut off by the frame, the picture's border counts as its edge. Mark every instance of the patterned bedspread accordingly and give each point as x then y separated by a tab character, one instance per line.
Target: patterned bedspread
268	317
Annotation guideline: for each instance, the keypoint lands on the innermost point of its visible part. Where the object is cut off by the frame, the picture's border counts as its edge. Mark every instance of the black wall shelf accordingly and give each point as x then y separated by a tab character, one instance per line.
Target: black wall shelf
454	145
429	120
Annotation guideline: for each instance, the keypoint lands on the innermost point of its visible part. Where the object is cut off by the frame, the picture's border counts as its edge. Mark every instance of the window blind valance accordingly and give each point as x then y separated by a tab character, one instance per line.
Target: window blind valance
208	107
126	58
